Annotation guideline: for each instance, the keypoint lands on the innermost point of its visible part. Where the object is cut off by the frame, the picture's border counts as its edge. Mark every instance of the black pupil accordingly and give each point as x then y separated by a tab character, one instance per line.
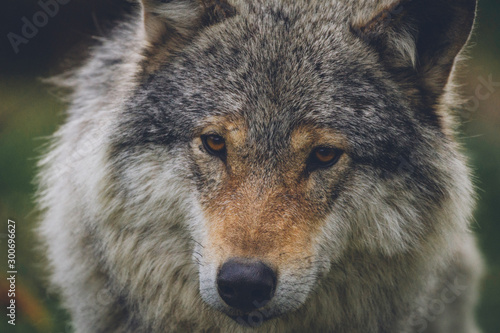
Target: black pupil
324	152
217	140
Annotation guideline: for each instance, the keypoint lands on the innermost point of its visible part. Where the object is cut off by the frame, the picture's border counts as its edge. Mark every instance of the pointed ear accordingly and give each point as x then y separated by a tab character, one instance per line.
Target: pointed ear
419	39
180	19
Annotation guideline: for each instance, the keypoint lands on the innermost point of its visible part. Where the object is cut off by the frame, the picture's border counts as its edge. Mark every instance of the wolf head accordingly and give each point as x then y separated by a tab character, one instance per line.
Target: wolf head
279	136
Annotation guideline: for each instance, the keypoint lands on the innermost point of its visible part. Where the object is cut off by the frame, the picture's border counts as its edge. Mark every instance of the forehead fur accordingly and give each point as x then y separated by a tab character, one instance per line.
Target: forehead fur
279	64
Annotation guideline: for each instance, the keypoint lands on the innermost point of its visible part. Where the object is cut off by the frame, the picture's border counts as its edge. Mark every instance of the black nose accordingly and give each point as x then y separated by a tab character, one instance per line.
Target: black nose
246	285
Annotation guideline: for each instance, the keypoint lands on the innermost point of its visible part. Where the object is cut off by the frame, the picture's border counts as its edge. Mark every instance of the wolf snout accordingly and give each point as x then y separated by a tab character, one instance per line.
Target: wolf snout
246	285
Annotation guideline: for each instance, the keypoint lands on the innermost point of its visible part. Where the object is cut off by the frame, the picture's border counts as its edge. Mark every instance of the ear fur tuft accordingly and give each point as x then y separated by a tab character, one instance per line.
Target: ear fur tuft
180	19
215	11
426	35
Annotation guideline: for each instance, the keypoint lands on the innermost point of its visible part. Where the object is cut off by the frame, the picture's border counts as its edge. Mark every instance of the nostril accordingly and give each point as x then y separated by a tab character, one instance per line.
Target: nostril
226	290
246	285
260	294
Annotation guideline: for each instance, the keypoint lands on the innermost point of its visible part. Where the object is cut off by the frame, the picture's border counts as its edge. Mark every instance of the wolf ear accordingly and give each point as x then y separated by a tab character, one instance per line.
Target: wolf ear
420	37
180	19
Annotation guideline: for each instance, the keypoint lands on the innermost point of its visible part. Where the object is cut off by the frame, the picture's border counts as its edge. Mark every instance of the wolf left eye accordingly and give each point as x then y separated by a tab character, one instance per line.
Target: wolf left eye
214	144
323	157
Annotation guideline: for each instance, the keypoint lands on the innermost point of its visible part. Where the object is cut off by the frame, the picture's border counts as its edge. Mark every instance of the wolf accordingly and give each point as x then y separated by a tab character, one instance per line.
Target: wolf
266	166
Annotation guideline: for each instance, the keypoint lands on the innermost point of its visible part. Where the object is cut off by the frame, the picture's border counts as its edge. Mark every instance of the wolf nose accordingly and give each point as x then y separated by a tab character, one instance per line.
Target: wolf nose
246	285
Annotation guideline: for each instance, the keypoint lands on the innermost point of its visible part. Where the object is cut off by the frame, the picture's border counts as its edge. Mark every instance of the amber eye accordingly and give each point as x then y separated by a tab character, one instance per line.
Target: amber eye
214	144
324	157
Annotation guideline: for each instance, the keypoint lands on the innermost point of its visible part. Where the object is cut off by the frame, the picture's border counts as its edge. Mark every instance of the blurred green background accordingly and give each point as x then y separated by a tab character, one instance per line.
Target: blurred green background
29	112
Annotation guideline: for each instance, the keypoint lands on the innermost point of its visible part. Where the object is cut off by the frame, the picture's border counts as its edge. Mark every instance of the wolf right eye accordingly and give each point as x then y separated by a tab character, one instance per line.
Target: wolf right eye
214	145
323	157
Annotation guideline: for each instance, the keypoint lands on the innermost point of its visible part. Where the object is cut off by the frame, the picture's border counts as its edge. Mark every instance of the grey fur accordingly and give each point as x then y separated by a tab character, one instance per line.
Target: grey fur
122	186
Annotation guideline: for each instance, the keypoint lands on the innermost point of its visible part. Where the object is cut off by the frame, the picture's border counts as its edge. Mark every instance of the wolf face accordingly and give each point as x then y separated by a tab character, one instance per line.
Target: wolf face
277	141
293	134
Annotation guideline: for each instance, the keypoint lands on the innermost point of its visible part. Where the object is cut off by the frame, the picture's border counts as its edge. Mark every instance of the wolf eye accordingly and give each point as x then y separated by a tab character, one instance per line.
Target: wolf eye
214	144
323	157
